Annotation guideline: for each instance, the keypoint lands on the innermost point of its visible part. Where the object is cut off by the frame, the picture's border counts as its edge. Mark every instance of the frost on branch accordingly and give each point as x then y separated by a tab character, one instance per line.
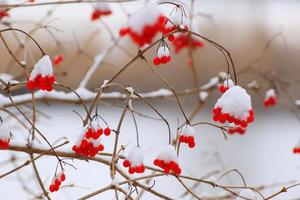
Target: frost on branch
5	136
247	194
134	161
187	135
145	24
270	98
42	76
99	10
235	107
167	160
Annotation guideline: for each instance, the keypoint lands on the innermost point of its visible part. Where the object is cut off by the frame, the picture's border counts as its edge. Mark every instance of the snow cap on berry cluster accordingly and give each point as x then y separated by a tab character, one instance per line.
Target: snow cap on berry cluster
248	194
228	83
236	102
270	93
4	132
163	51
187	130
42	67
135	157
168	154
146	16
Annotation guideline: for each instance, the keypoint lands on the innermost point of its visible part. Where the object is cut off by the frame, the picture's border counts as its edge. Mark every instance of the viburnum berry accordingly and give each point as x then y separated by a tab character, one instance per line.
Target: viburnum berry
228	83
296	149
247	194
162	56
3	12
100	9
236	129
56	182
145	24
184	40
5	136
134	161
42	76
58	59
234	106
187	135
270	98
167	160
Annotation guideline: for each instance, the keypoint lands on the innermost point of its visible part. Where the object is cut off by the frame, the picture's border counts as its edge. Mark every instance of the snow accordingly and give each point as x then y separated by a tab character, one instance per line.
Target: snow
248	194
228	83
187	131
203	96
270	93
168	154
253	84
135	157
42	67
236	102
163	51
4	132
6	77
146	16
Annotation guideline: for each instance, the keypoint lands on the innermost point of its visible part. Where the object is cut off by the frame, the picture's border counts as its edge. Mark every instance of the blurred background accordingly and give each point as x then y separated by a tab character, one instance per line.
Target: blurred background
263	155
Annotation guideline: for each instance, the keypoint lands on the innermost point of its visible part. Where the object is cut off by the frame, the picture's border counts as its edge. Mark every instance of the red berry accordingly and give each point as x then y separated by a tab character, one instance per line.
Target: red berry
156	61
107	131
126	163
62	177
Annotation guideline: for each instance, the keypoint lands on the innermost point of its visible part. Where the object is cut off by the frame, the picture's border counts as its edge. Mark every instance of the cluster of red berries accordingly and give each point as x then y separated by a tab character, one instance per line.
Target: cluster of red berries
4	144
3	14
168	167
133	169
58	58
270	101
236	129
147	34
185	41
223	117
190	140
57	182
296	150
90	145
99	13
41	82
161	60
223	88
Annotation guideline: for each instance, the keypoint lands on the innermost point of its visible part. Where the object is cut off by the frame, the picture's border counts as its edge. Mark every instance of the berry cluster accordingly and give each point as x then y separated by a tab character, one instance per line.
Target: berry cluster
41	82
270	98
167	160
234	106
296	150
228	83
162	56
168	166
90	144
134	161
146	35
185	41
57	182
186	135
42	76
99	13
236	129
58	58
5	136
223	117
3	14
